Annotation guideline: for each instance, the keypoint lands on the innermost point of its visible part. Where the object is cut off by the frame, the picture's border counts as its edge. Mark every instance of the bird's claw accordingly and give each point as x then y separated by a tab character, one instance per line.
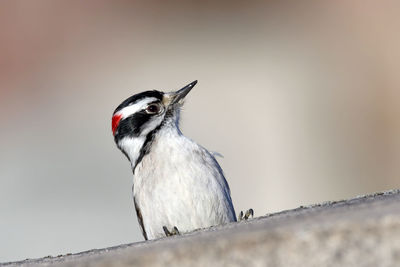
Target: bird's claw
246	215
174	231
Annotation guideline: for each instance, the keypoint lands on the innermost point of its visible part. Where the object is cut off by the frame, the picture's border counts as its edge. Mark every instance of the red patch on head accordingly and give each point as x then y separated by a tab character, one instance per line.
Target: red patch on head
115	121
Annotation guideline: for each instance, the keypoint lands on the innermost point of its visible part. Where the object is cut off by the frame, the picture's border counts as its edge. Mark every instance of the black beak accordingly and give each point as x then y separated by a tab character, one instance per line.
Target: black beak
180	94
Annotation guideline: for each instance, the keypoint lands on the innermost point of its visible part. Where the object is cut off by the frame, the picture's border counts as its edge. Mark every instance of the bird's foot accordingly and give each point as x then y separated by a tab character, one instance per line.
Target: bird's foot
174	231
249	213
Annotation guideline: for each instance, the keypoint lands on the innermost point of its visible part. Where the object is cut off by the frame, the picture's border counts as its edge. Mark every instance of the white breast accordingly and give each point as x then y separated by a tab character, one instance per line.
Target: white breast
179	183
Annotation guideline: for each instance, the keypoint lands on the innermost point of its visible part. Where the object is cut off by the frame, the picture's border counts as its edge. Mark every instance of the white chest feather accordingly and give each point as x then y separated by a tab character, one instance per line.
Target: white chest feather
179	183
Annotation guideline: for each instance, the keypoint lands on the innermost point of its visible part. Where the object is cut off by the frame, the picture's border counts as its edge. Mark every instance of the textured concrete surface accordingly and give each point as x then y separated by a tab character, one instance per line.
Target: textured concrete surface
364	231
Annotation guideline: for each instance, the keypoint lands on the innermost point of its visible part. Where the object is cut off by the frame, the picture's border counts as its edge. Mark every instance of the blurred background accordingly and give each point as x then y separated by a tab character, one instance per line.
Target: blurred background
302	99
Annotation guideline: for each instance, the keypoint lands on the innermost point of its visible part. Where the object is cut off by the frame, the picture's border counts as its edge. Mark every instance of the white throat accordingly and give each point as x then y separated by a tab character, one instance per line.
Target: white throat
132	147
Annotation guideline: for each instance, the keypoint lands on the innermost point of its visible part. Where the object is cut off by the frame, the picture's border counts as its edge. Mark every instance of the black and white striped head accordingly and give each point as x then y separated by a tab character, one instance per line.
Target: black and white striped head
143	113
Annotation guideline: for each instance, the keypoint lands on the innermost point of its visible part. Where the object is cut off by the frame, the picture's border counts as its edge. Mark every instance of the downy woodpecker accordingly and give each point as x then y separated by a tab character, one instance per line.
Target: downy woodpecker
178	185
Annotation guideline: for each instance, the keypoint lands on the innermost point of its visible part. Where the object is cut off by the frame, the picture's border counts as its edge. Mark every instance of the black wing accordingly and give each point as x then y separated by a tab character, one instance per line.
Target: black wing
140	218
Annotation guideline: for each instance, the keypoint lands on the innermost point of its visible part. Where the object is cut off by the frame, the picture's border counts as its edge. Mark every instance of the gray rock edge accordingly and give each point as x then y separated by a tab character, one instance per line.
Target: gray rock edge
364	212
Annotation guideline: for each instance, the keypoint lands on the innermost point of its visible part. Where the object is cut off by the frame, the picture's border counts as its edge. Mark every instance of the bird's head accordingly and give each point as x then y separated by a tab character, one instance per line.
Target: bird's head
145	112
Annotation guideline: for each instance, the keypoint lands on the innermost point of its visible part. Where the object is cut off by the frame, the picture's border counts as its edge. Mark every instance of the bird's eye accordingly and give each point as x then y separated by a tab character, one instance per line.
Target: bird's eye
153	109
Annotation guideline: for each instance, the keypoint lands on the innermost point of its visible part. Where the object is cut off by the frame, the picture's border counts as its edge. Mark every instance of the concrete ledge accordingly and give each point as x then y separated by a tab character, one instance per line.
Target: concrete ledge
364	231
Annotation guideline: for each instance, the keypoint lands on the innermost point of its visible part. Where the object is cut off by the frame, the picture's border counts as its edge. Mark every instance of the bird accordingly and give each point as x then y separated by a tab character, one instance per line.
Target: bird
178	185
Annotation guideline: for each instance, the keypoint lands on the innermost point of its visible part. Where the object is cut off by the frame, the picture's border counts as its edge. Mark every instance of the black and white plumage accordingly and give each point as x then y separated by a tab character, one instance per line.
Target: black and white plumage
176	182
